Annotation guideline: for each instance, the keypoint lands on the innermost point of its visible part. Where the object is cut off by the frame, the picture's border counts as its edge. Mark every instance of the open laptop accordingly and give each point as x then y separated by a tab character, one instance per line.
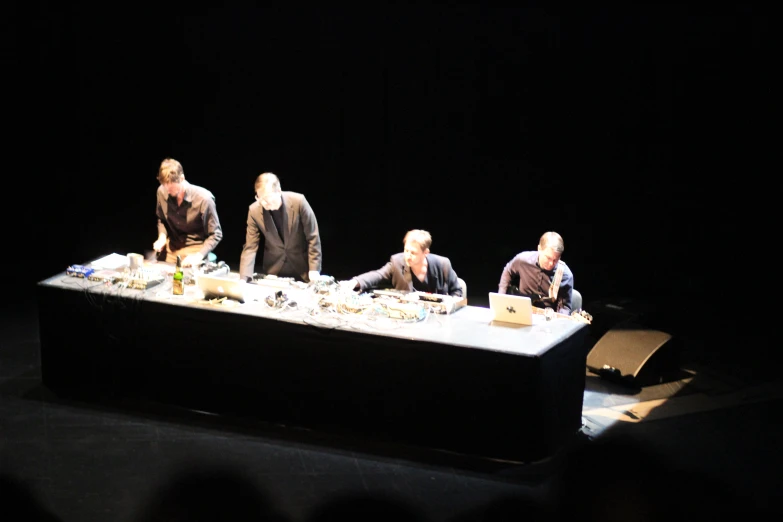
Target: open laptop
215	287
514	309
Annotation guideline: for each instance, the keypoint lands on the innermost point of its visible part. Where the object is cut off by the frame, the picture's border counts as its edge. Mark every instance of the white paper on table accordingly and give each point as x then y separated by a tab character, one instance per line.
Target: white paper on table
111	262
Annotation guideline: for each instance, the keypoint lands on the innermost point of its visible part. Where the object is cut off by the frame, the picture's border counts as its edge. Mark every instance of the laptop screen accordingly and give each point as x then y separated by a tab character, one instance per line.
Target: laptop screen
215	287
514	309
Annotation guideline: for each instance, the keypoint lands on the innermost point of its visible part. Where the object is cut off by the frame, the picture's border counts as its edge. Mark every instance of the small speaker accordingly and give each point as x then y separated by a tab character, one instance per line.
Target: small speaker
633	355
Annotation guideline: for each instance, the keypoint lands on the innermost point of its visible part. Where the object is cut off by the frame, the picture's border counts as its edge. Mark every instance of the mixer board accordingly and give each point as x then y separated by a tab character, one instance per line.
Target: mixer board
435	303
140	279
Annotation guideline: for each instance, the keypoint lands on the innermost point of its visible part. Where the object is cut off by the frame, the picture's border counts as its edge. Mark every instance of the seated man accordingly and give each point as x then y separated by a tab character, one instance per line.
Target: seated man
413	269
541	275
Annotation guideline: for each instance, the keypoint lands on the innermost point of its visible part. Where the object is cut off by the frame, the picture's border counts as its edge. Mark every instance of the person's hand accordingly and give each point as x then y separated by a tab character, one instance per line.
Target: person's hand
158	245
313	275
351	284
193	260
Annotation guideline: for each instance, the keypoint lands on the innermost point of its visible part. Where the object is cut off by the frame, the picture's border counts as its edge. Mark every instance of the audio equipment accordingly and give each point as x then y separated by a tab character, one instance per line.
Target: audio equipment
79	271
272	280
104	276
632	354
437	303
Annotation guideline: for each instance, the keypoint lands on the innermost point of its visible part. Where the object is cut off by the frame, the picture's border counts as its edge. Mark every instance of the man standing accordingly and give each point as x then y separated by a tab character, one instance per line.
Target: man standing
292	244
188	224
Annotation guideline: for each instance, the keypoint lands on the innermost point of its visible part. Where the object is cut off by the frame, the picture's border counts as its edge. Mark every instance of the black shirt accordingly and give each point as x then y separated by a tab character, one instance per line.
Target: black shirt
422	286
277	217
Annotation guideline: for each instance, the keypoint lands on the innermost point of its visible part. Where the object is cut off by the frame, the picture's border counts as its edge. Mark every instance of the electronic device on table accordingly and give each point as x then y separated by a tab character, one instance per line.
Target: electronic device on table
215	269
272	280
435	303
216	287
138	279
514	309
79	271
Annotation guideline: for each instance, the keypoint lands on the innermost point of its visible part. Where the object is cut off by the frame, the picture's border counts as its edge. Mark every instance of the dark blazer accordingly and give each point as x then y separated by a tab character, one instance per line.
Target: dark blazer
293	256
398	275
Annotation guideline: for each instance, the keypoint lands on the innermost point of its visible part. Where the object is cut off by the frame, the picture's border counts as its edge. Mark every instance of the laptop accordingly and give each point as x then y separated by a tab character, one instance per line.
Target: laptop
215	287
514	309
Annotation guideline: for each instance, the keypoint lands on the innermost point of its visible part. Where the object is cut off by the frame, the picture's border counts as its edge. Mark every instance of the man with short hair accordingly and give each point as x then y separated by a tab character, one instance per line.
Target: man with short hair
414	269
541	275
188	224
292	243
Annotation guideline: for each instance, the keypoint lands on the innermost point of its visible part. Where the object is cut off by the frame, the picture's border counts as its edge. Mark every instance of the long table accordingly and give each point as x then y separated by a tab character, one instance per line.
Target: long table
451	382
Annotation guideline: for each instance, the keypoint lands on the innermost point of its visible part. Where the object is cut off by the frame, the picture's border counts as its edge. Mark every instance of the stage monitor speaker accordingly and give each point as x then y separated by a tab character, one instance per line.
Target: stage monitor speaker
633	355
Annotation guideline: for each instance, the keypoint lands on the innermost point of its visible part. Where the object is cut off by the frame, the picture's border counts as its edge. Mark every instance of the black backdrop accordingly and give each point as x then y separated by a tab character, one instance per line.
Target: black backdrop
636	133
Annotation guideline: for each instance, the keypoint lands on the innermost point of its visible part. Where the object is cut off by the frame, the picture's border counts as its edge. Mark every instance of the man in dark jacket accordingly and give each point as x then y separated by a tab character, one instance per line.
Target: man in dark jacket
414	269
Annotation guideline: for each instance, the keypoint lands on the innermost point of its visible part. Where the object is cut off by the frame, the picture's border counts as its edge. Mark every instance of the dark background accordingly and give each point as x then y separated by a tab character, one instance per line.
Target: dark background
637	133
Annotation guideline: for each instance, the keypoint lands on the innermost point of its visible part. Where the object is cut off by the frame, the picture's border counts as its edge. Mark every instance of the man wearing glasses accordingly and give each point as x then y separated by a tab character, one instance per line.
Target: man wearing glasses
292	244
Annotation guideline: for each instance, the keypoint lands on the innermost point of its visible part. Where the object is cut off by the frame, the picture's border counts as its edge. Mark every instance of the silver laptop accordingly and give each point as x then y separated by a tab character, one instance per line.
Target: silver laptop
215	287
514	309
